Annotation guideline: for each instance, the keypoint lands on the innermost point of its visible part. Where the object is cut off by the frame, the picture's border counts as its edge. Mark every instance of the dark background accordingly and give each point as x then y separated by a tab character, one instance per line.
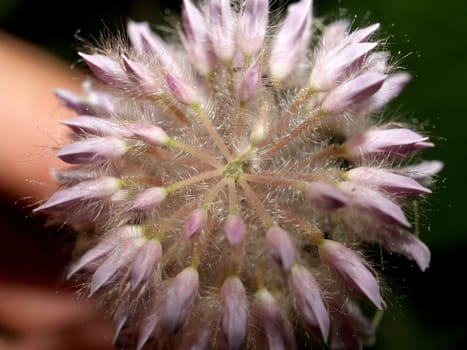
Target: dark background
427	310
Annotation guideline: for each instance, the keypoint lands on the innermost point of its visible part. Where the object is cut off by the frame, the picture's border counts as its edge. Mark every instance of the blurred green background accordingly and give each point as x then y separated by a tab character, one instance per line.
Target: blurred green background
427	310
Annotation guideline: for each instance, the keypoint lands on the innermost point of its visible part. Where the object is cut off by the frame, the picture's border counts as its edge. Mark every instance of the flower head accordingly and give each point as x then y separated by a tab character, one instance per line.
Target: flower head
234	177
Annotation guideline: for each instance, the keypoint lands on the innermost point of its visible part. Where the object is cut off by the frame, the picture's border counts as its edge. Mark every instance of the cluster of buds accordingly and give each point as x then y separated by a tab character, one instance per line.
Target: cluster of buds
233	178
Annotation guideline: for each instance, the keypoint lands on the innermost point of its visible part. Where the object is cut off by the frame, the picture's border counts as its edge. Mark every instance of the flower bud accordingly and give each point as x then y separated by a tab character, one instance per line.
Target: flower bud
121	256
386	180
325	196
407	244
221	32
148	326
145	42
348	265
273	329
281	247
389	90
352	93
145	262
397	141
291	41
250	83
93	150
234	229
308	300
252	24
141	77
196	221
106	68
85	124
149	133
149	199
330	68
197	39
374	203
234	312
180	90
423	170
70	197
180	299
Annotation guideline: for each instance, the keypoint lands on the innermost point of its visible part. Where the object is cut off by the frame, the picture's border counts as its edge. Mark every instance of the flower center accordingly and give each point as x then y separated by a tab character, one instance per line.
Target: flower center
234	169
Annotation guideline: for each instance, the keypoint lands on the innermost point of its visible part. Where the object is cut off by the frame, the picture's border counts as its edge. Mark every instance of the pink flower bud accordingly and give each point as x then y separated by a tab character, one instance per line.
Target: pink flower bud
330	68
141	77
198	43
67	198
149	199
390	90
398	141
234	229
85	124
423	170
291	41
71	101
273	329
374	203
148	326
234	312
334	36
123	253
145	41
344	332
145	262
93	150
250	83
180	90
308	300
106	68
353	92
352	269
180	299
325	196
92	255
409	245
281	247
386	180
221	31
149	133
364	33
252	24
196	221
